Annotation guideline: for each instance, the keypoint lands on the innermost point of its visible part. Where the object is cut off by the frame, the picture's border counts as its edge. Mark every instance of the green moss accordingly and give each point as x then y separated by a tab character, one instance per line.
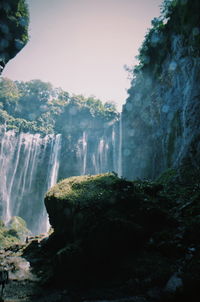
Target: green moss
84	188
18	225
167	176
8	237
13	233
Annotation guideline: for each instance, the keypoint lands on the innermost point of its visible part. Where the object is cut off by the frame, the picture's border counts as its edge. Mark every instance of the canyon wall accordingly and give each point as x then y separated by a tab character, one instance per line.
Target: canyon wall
160	120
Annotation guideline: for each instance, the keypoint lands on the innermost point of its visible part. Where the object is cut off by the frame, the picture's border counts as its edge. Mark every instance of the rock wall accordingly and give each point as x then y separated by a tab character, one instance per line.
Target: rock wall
14	20
160	120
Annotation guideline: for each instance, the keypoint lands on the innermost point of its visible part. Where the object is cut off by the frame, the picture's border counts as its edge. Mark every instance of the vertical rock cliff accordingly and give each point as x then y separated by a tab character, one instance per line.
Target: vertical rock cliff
160	120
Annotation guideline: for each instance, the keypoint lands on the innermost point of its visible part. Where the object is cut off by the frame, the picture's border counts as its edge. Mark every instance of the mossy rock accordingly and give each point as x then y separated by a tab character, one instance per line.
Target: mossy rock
111	219
167	176
17	226
132	235
8	237
13	233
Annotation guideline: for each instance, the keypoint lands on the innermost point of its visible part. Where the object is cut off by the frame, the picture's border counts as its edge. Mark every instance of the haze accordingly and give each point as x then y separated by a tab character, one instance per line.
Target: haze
83	45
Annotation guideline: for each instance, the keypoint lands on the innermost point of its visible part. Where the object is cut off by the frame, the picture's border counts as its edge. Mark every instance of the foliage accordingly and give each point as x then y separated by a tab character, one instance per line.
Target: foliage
177	17
14	17
36	106
8	236
18	227
12	233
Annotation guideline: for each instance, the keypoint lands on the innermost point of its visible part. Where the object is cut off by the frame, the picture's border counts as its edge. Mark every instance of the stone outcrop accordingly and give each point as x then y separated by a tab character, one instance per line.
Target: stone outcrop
14	20
133	238
160	120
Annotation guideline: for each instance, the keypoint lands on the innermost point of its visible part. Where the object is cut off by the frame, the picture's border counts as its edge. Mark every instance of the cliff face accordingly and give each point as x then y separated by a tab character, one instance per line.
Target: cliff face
160	120
13	29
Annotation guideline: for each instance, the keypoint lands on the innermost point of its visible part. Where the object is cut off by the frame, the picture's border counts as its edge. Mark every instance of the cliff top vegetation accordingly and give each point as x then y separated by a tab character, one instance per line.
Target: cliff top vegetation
37	106
178	17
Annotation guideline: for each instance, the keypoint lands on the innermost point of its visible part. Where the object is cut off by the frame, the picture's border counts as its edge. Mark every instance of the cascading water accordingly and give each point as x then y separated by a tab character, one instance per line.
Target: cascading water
28	167
82	153
102	155
119	168
54	160
116	147
52	175
95	154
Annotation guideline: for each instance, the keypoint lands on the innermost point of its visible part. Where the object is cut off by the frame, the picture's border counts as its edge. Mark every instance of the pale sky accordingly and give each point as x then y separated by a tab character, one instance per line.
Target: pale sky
82	45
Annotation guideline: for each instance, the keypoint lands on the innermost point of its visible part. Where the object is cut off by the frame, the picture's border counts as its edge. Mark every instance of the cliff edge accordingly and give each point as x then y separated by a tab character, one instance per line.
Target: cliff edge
160	120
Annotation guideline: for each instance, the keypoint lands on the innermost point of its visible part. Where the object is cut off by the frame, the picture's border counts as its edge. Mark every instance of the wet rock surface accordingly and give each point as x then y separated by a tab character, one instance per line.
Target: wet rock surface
160	120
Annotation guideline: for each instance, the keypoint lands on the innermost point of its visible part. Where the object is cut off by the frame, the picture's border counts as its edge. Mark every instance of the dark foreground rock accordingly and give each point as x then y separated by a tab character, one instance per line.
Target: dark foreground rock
23	284
117	239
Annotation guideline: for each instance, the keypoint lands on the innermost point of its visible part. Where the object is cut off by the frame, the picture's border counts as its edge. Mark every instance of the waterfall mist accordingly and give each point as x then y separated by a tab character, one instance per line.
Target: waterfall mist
28	167
30	164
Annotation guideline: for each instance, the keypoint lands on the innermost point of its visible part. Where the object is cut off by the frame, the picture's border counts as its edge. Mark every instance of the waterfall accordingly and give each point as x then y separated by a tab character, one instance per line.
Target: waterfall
53	168
84	140
119	170
115	150
30	164
94	153
28	167
54	160
102	156
82	153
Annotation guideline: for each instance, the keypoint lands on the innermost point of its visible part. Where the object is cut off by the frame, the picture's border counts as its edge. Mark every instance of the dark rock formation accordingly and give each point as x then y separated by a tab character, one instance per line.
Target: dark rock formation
133	238
14	19
161	127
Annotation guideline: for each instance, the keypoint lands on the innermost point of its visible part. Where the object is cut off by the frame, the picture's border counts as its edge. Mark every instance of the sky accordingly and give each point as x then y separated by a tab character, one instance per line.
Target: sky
83	45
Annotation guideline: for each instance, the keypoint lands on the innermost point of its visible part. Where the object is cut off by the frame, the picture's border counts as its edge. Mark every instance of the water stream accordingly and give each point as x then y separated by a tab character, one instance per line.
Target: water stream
29	166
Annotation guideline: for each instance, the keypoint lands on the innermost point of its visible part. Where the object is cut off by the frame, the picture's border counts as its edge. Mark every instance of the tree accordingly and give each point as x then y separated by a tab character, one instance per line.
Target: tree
9	95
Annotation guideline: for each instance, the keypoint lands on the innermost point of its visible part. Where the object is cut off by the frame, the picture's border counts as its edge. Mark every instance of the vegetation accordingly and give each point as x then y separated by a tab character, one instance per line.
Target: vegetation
13	233
36	106
14	17
178	17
